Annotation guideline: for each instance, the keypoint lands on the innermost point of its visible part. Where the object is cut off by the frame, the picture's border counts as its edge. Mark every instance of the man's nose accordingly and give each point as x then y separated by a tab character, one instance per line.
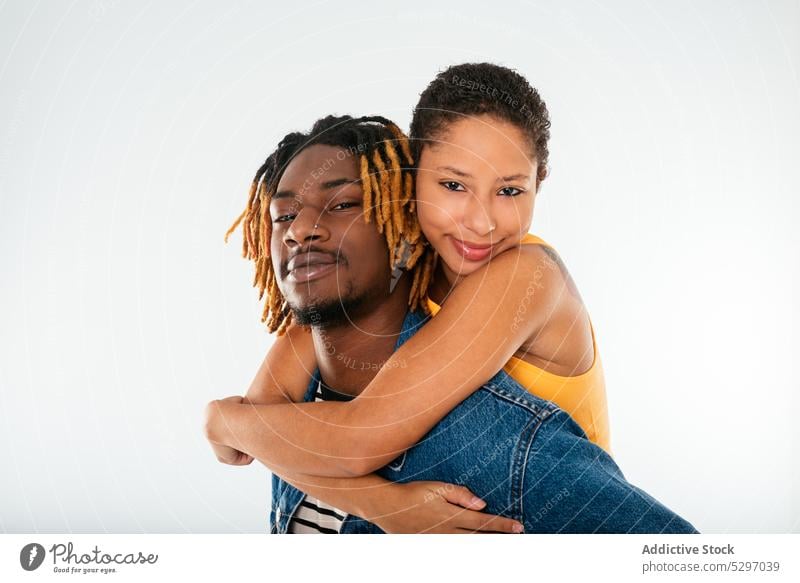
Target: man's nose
307	225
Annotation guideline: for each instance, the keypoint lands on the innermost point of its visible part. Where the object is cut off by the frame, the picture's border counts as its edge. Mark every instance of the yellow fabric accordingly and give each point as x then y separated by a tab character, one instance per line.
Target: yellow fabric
582	396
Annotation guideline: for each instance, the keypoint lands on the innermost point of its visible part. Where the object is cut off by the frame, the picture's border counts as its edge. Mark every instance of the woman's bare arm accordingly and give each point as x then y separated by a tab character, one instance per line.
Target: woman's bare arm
283	378
487	317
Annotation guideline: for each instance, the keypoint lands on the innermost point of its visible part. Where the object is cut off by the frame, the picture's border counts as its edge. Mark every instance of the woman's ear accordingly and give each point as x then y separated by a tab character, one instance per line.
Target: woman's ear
542	172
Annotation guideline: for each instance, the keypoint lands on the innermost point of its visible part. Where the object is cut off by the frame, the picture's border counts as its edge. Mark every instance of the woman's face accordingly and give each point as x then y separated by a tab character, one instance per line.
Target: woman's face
480	173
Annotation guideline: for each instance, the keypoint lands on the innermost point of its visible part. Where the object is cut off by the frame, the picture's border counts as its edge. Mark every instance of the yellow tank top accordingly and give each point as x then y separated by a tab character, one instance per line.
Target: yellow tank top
582	396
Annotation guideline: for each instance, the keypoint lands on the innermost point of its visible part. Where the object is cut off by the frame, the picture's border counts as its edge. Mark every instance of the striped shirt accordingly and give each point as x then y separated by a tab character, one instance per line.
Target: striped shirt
313	516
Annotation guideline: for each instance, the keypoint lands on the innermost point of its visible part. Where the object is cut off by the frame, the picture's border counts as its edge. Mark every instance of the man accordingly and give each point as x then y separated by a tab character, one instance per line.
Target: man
326	267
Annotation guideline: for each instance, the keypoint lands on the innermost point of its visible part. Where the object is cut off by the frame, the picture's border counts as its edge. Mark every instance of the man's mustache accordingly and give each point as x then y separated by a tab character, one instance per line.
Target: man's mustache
337	257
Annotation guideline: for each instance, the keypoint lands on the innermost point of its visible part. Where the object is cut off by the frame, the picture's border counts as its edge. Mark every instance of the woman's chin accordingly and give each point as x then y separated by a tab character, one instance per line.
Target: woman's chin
462	267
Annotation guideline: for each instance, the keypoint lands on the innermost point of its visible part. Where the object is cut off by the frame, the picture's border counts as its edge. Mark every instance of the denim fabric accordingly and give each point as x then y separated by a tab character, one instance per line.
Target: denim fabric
521	454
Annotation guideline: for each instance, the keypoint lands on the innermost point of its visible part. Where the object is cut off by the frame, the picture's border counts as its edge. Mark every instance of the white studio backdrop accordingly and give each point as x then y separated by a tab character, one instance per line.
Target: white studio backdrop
130	131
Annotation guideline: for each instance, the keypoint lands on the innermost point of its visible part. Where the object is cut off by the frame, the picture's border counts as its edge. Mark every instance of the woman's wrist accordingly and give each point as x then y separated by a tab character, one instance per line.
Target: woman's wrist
379	501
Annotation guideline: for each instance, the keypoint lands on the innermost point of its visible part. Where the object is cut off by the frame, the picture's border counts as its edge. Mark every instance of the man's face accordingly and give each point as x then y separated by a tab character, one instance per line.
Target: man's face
329	272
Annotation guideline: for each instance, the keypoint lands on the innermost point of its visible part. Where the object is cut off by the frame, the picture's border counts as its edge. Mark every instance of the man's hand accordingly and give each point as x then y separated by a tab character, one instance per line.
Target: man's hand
216	428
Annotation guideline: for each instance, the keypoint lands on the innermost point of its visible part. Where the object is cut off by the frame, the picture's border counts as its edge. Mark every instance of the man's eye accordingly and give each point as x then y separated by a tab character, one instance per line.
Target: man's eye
345	205
510	191
452	185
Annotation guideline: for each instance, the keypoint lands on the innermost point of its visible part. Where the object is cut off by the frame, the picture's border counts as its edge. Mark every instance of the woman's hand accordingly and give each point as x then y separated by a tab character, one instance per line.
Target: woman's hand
224	453
230	456
437	507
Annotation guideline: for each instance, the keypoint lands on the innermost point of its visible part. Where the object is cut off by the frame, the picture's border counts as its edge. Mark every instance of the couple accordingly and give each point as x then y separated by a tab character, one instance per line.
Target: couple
434	369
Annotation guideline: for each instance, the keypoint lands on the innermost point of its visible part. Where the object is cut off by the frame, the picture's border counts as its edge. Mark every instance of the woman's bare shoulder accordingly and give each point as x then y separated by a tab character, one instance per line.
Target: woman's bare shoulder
562	340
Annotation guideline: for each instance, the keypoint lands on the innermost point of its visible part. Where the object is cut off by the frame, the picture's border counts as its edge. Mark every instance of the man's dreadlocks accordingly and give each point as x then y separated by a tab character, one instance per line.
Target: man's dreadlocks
387	182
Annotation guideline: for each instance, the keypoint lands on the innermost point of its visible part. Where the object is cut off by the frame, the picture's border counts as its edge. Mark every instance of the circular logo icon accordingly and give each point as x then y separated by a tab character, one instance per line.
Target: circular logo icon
31	556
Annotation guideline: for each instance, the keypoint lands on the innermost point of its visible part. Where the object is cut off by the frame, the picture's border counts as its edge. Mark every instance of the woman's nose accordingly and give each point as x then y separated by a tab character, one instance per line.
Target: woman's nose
478	216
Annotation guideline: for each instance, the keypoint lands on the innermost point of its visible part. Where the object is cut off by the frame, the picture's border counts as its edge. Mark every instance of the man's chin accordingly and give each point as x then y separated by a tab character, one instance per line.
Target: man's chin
326	312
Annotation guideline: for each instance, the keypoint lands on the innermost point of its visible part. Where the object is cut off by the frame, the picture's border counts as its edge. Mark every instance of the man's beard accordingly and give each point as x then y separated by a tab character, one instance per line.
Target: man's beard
330	313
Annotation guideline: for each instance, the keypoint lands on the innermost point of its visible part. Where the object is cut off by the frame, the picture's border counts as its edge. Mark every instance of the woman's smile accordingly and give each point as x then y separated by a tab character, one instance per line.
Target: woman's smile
471	251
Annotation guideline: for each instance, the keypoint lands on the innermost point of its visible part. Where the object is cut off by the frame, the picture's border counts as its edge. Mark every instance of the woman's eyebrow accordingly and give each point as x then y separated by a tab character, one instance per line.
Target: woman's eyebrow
513	177
463	174
455	171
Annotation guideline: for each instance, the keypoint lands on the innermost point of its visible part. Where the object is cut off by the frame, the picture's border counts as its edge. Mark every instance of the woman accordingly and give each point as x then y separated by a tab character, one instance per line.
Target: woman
479	137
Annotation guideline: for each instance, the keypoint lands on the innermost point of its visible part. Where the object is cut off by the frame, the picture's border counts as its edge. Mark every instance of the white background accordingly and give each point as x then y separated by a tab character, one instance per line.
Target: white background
129	132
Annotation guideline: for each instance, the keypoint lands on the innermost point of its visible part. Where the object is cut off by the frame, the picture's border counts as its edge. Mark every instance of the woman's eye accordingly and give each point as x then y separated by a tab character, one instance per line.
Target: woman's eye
452	185
510	191
283	218
345	205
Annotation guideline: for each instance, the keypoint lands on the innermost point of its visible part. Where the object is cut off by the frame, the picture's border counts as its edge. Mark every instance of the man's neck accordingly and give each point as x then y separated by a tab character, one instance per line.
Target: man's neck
350	355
